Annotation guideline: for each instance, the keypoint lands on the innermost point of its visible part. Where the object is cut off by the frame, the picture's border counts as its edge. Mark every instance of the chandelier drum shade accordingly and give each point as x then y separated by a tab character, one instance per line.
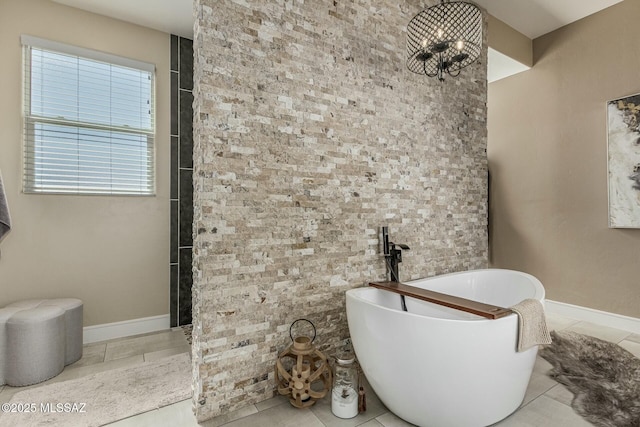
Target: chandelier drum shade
444	39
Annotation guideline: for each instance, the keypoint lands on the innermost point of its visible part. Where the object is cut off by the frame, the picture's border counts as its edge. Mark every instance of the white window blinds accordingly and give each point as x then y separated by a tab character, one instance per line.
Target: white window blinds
88	121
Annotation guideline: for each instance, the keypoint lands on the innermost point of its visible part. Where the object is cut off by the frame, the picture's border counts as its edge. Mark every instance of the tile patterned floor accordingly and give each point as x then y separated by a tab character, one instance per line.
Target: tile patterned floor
546	402
113	354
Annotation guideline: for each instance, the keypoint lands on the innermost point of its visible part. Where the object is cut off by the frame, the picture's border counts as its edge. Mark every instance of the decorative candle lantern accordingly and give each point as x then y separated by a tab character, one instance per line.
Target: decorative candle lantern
310	376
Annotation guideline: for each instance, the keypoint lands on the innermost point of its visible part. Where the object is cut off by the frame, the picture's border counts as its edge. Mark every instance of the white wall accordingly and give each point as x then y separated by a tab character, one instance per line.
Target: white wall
547	154
112	252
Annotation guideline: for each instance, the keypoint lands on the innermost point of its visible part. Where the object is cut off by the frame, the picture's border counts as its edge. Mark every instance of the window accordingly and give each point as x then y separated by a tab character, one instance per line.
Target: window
88	121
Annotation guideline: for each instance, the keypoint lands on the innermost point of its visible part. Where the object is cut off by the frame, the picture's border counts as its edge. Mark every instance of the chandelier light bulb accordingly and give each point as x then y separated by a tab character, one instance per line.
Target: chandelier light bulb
459	45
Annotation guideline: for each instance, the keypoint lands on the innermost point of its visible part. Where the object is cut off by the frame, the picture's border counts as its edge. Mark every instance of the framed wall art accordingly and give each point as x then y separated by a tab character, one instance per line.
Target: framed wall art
623	152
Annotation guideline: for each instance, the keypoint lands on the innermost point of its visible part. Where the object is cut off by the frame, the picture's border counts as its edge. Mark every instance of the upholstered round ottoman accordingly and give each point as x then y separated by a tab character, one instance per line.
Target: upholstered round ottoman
5	315
73	325
26	303
35	345
73	312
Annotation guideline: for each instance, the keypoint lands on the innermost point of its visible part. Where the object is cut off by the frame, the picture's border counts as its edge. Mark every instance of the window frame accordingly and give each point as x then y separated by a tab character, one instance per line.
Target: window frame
79	186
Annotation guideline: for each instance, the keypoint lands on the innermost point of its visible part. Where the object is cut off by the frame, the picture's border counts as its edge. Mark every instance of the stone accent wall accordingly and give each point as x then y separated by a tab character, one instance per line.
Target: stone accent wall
309	135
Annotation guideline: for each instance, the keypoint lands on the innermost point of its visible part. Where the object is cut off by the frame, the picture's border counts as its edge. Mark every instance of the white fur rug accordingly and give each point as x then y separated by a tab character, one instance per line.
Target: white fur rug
102	398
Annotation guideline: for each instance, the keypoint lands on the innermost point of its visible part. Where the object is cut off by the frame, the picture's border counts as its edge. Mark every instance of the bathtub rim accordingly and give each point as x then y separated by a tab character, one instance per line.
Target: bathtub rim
539	294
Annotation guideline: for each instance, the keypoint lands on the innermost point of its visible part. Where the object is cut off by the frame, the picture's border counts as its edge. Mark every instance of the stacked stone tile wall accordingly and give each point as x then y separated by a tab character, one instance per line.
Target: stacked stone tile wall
309	135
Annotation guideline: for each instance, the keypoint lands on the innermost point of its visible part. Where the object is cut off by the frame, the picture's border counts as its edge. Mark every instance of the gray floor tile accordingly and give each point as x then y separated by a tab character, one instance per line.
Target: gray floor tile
82	371
94	348
391	420
631	346
176	415
561	394
598	331
634	338
270	403
544	411
144	344
166	340
555	322
120	350
541	366
155	355
91	354
538	385
8	392
231	416
132	337
371	423
279	416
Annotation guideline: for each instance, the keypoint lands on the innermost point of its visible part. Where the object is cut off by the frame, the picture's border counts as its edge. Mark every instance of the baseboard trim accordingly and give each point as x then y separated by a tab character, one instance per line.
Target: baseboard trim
125	328
603	318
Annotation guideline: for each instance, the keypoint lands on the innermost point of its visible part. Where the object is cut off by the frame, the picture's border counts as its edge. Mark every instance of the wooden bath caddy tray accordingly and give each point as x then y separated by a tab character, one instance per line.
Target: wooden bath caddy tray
485	310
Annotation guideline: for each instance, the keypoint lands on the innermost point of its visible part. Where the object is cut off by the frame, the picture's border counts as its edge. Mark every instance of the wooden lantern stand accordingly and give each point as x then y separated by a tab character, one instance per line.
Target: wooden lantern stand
310	366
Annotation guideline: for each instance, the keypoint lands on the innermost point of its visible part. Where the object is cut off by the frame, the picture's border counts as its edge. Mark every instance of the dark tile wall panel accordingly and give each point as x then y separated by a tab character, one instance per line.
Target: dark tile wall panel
173	298
186	64
174	167
186	129
181	180
185	282
174	53
186	208
175	104
174	241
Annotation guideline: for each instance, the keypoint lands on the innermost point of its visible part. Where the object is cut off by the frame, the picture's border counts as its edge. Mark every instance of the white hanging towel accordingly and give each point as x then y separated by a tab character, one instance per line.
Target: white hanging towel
532	325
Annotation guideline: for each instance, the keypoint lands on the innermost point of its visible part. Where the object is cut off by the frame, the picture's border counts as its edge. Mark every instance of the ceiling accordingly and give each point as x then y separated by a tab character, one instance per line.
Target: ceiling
169	16
532	18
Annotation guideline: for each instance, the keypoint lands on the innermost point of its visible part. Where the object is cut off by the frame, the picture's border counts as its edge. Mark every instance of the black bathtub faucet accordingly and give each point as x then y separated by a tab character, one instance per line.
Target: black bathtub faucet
392	254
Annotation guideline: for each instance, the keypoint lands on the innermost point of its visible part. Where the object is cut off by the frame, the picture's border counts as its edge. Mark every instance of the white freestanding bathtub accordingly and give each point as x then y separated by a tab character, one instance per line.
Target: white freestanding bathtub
439	367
